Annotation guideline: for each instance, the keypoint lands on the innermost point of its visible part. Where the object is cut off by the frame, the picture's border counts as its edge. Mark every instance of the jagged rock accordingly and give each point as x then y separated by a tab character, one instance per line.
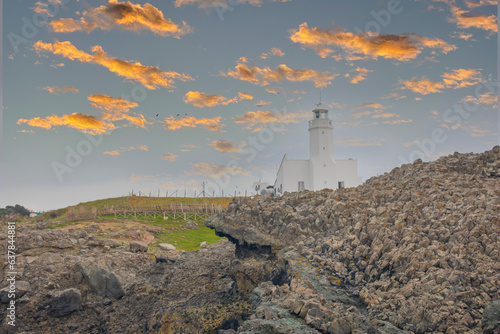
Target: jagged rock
490	323
65	302
102	280
138	246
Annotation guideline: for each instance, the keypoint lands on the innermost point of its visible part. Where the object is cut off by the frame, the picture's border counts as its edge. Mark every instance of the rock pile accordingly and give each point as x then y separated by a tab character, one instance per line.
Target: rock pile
419	247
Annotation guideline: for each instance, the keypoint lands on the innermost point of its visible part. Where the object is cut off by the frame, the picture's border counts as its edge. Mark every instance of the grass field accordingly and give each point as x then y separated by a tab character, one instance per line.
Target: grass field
174	231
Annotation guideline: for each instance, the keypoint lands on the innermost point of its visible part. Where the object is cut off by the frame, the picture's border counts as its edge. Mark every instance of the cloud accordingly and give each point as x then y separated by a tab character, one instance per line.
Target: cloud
135	177
462	78
215	171
264	76
200	100
462	35
220	3
423	86
112	109
256	119
398	121
372	105
486	98
211	124
360	141
116	109
361	114
169	157
272	52
262	103
188	147
385	115
403	47
475	4
84	123
465	20
458	78
225	146
60	90
149	76
124	15
126	149
362	73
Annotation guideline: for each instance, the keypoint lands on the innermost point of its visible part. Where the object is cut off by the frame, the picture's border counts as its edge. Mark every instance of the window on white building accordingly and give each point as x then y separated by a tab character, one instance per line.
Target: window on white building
301	185
341	184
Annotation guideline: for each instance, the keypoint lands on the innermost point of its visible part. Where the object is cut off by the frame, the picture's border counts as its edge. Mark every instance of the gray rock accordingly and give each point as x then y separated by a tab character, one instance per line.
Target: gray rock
65	302
138	246
167	247
102	281
490	323
191	225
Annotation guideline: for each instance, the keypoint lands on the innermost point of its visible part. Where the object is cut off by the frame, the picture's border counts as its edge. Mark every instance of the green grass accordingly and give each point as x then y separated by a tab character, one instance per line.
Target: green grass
173	231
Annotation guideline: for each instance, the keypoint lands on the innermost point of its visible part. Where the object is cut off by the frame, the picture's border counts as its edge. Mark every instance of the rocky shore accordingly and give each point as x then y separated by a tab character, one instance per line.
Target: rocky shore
414	250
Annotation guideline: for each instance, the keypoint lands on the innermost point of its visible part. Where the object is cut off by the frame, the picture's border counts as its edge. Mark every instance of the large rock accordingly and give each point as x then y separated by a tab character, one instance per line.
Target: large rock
167	247
65	302
21	287
138	246
490	323
102	280
191	225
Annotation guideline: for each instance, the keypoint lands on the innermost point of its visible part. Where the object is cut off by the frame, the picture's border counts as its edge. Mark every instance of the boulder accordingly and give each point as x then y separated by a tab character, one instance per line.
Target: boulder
101	280
167	247
191	225
138	246
65	302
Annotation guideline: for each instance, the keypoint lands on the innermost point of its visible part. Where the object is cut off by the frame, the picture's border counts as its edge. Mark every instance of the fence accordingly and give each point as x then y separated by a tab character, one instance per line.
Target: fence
167	211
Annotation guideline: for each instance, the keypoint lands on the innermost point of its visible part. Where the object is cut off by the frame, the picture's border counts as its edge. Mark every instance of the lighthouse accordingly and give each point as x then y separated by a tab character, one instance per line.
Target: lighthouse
321	170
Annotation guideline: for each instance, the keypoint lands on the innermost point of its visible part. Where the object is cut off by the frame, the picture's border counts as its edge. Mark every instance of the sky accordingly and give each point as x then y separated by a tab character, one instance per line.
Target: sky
102	98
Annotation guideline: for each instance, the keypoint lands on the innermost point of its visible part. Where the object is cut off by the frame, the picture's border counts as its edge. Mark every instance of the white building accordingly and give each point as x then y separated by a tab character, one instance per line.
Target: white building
321	170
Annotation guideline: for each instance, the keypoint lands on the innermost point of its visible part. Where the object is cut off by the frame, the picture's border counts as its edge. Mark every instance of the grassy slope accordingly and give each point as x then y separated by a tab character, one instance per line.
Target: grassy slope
174	233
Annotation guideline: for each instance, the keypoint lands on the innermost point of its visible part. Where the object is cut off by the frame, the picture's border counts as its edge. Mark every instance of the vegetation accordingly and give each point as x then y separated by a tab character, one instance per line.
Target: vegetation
16	209
174	231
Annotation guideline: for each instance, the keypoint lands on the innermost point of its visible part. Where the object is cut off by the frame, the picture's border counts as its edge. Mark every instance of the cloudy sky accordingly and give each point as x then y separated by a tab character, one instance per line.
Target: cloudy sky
104	97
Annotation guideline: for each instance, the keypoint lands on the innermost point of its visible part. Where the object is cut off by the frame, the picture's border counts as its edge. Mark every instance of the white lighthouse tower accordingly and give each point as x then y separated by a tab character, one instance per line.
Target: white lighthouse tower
323	169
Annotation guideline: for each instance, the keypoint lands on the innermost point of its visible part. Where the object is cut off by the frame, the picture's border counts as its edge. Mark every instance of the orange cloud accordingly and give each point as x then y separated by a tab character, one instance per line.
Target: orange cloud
61	90
272	52
215	171
224	146
385	115
126	149
149	76
84	123
458	78
264	76
259	118
211	124
371	105
403	47
115	109
485	98
423	86
361	114
123	15
200	100
465	20
169	157
462	78
474	4
362	73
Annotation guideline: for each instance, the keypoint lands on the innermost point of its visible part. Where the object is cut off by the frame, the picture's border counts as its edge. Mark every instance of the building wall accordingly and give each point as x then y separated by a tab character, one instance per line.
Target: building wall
347	171
289	175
